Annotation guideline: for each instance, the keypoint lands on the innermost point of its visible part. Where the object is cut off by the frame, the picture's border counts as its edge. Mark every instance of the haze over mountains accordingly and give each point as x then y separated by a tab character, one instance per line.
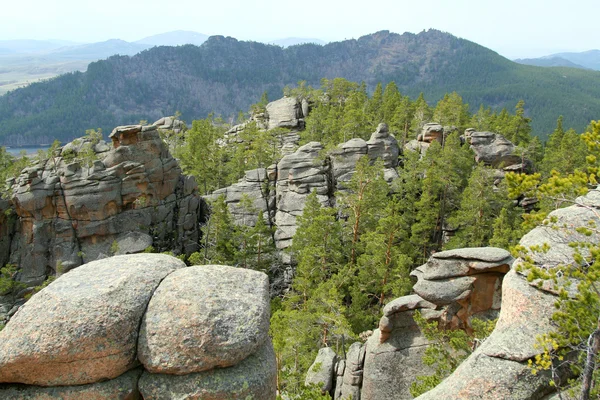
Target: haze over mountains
26	61
587	59
225	76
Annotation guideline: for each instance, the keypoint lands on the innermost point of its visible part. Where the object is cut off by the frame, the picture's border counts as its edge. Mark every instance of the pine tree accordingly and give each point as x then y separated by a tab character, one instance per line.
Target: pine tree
480	205
383	270
422	114
363	201
219	246
203	156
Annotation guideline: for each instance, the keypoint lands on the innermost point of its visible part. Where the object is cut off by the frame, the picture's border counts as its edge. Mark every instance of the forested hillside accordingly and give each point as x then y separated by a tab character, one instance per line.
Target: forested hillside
225	76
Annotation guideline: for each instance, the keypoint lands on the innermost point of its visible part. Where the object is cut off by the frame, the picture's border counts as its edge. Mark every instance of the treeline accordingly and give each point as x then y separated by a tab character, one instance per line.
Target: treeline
354	257
224	76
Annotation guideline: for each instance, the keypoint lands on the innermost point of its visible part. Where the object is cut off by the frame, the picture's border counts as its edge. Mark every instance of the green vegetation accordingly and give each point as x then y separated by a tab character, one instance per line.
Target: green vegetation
164	79
354	256
575	344
447	350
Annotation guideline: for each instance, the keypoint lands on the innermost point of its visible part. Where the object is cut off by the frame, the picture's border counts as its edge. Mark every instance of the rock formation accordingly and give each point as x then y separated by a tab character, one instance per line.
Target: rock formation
76	207
86	334
452	287
498	368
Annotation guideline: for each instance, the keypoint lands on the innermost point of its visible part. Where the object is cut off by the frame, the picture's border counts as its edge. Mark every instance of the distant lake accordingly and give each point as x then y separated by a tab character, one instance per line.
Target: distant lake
30	150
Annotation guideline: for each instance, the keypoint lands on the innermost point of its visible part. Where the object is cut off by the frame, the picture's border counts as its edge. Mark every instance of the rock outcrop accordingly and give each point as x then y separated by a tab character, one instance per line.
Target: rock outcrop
322	371
82	205
85	335
286	112
498	368
452	288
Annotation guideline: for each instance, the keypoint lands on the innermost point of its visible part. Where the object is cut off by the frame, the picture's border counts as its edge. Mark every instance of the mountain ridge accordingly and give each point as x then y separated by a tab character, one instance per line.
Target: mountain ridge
225	75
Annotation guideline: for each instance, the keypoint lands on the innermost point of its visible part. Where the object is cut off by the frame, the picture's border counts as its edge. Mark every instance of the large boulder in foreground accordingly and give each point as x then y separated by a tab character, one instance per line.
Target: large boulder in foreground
255	378
204	317
122	388
83	328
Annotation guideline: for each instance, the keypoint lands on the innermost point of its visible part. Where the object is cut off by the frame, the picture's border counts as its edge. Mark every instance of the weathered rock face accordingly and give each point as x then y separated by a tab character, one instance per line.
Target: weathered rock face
466	282
255	378
430	132
353	372
493	149
255	185
452	287
124	387
395	351
285	113
7	230
204	317
298	174
322	371
80	337
70	213
498	368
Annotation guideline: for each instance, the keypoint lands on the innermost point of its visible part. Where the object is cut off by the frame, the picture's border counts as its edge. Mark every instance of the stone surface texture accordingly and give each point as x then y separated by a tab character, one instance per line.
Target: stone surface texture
83	327
498	368
322	371
71	212
205	330
124	387
204	317
254	378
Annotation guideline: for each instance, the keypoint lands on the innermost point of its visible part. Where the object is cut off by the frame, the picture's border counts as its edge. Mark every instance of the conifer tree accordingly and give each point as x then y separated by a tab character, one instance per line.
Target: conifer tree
219	246
363	201
203	156
422	114
383	270
480	205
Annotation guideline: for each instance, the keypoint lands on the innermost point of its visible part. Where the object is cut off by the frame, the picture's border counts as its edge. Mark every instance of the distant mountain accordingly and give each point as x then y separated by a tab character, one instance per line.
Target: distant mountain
100	50
225	75
587	59
549	62
292	41
175	38
32	46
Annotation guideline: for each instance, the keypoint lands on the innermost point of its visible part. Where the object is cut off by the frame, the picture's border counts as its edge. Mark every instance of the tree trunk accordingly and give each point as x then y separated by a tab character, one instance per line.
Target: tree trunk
593	346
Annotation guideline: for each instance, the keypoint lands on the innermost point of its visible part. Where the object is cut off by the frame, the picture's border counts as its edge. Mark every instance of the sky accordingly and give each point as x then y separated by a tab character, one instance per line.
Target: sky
513	28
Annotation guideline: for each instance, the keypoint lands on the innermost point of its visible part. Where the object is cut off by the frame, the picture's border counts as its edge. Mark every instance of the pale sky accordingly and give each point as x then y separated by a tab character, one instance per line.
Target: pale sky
513	28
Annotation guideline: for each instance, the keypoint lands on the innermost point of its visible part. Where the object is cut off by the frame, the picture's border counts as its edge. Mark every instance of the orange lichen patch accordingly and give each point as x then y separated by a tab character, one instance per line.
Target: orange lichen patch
49	210
110	209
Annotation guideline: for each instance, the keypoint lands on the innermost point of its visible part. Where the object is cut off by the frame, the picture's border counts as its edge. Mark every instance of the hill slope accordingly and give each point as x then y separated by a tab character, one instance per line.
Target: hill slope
548	62
225	75
174	38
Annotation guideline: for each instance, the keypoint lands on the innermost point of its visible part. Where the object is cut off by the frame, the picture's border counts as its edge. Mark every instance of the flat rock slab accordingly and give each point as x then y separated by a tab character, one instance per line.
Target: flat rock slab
489	254
204	317
125	387
255	378
405	303
445	291
83	327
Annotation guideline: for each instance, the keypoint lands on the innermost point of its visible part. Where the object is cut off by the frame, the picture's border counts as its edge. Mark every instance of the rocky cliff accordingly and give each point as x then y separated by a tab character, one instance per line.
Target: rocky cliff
144	325
91	199
125	196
